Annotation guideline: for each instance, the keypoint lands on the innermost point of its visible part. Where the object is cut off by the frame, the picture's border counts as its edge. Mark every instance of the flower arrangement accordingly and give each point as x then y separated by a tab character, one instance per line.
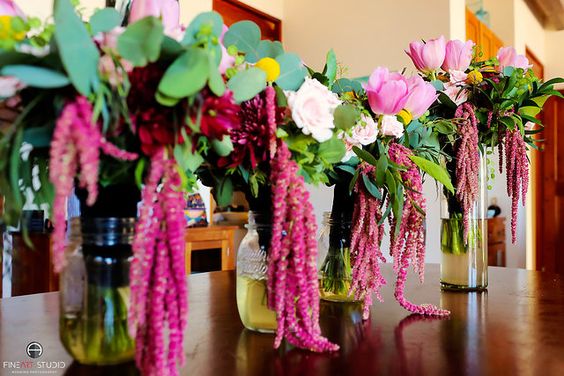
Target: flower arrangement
102	104
488	104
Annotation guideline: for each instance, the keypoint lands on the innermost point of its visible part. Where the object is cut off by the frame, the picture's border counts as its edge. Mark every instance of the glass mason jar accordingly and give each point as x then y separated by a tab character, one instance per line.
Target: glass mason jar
335	271
464	264
95	291
251	275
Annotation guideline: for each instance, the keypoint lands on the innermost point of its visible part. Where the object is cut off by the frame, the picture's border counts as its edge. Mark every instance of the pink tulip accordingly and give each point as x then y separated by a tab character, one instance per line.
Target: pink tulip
429	56
458	55
9	8
167	9
227	61
387	92
508	57
421	96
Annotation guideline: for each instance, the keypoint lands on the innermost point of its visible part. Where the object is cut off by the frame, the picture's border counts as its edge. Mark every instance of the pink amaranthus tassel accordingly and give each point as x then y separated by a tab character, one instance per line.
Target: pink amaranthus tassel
467	162
408	244
366	238
517	170
75	147
293	291
159	302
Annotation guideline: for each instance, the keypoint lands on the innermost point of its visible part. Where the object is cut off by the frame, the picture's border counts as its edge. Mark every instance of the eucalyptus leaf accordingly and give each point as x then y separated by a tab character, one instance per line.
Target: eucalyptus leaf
245	35
36	76
222	147
186	158
292	71
247	84
104	19
267	48
346	116
438	172
216	83
77	50
141	42
332	151
187	75
211	20
330	70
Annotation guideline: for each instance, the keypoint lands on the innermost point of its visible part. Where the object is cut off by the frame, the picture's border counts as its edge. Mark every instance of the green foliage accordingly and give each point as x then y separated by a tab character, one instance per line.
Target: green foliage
76	49
346	116
330	69
343	85
35	76
267	48
438	172
245	35
292	71
247	84
224	192
202	27
104	20
187	75
331	151
141	42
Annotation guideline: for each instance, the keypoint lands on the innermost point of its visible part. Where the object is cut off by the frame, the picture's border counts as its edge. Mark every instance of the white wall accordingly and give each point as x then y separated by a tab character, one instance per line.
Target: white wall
44	8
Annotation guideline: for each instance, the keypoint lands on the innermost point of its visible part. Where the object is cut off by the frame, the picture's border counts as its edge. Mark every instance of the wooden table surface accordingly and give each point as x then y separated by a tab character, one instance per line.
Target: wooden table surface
515	328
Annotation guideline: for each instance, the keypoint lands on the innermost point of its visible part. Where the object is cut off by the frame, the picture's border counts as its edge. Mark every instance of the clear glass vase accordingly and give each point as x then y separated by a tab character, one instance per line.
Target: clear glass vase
335	271
251	276
94	297
464	263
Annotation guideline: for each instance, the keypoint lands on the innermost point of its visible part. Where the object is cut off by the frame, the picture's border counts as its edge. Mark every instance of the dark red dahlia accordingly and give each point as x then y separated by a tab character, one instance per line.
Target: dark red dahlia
219	115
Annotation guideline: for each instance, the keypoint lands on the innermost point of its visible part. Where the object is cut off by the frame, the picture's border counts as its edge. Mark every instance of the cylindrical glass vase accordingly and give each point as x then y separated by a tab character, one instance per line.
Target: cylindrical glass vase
95	291
464	262
251	276
335	271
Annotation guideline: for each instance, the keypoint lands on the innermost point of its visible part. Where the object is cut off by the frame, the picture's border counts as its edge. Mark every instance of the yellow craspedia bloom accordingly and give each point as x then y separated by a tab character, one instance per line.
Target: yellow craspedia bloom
405	116
475	77
6	31
270	67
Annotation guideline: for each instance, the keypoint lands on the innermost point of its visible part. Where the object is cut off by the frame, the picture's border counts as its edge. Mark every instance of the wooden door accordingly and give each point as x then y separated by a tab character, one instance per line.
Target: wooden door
549	255
233	11
472	26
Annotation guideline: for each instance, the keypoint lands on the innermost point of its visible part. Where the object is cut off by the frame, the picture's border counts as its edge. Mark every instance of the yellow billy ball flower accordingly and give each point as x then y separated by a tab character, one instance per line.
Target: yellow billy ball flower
405	116
475	77
270	67
6	30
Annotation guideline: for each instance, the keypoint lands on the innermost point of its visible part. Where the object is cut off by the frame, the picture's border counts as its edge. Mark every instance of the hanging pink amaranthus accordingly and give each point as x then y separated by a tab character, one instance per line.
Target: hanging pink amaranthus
292	269
159	300
365	249
408	244
517	170
467	162
76	145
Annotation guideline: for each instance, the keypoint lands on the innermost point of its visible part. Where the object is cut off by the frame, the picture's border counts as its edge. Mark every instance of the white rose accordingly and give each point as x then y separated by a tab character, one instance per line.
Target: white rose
312	109
457	77
456	93
9	86
365	131
391	126
349	143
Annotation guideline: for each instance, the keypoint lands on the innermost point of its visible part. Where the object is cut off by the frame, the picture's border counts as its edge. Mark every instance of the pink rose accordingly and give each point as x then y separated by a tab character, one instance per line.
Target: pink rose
421	96
429	56
312	109
349	153
456	93
387	92
458	55
508	57
364	132
391	126
109	70
108	40
458	77
9	86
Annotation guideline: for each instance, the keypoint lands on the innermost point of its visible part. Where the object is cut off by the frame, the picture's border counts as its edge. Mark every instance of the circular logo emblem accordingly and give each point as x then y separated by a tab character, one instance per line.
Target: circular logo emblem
34	350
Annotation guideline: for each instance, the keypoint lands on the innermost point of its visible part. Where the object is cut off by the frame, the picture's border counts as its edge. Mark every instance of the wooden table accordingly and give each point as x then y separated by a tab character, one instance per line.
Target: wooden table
517	327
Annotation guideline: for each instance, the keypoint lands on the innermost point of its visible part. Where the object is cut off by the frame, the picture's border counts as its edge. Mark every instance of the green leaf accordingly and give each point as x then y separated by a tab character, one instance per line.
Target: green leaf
371	187
139	169
346	116
166	100
141	42
210	20
343	85
381	169
36	76
224	192
245	35
224	147
39	137
292	71
330	70
186	158
216	83
104	20
548	84
247	84
438	172
76	48
365	156
170	47
531	111
347	168
187	75
397	207
332	150
438	85
268	48
353	180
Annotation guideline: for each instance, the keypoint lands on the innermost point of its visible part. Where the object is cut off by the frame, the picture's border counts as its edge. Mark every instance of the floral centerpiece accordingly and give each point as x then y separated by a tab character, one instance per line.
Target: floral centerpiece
483	104
102	105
